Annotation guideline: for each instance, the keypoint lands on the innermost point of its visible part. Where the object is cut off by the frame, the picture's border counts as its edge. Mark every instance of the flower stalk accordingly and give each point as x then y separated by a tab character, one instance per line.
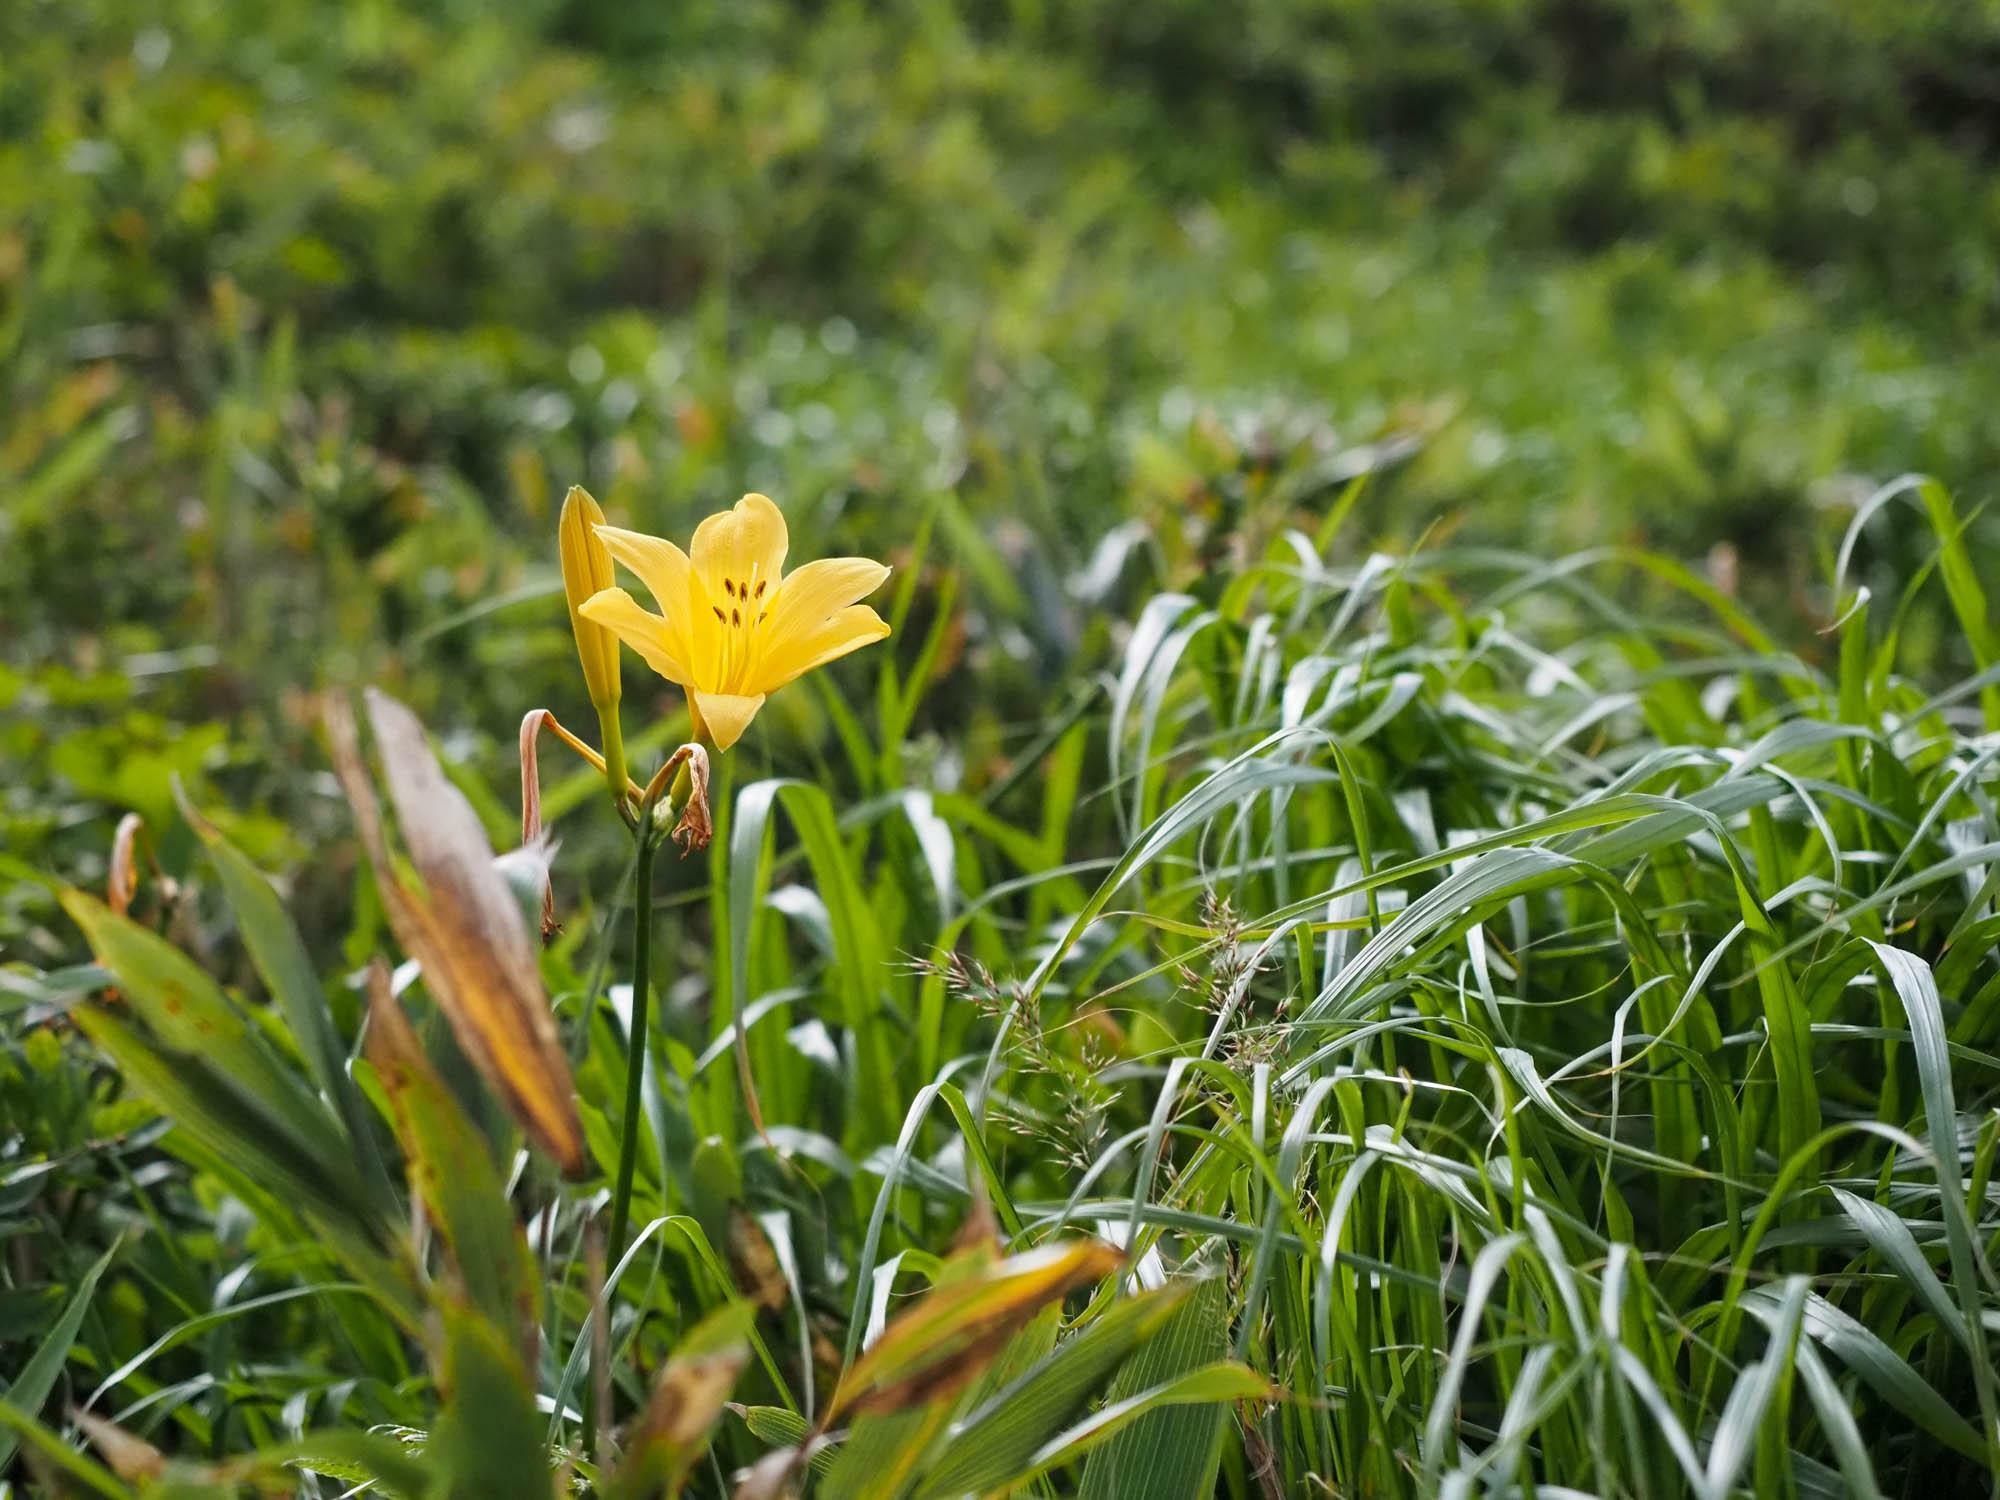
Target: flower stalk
637	1026
674	805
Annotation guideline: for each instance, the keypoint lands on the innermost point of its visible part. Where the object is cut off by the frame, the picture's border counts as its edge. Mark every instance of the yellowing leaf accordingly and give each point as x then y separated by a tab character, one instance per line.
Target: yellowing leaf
663	1447
452	1172
464	927
942	1343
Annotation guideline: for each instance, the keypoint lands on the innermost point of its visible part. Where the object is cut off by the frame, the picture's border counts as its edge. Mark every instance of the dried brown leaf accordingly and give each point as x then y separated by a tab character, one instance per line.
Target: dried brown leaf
122	880
531	806
464	928
127	1455
695	828
754	1261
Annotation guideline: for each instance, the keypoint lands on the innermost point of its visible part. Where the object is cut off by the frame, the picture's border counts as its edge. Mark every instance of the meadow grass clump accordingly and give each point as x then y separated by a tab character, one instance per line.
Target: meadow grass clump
1247	989
1450	1023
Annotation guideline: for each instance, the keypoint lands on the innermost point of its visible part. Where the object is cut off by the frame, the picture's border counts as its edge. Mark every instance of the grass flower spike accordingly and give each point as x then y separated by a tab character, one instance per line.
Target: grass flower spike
733	628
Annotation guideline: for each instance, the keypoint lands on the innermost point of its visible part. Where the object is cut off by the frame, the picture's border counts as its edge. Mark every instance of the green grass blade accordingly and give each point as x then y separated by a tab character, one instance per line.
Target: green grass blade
29	1390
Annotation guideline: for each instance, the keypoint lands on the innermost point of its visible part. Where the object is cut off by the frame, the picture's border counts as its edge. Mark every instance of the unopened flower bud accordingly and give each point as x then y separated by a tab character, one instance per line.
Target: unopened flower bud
586	569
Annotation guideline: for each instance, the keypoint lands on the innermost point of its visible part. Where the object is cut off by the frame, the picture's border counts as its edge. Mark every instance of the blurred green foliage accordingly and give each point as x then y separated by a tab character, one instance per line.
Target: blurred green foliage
307	317
309	314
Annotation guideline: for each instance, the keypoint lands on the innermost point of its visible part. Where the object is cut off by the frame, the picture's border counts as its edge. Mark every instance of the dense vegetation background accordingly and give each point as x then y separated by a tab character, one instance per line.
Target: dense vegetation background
308	318
309	315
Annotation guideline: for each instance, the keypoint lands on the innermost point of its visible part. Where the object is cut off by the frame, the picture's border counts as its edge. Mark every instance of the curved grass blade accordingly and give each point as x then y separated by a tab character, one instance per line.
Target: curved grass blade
29	1391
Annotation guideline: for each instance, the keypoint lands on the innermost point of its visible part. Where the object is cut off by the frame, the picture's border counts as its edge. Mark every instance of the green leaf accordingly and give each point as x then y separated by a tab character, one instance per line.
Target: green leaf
486	1442
884	1453
1878	1366
29	1391
1139	1444
356	1457
236	1127
857	972
54	1452
1198	1439
280	956
451	1168
779	1428
189	1015
993	1447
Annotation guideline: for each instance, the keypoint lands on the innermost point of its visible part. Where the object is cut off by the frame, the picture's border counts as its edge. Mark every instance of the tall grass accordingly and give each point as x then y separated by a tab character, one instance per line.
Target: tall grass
1528	1030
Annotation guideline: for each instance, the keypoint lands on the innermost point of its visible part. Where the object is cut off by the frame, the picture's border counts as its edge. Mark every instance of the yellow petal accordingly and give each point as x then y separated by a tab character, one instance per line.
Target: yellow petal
707	632
725	715
645	632
741	551
586	568
818	589
786	657
662	567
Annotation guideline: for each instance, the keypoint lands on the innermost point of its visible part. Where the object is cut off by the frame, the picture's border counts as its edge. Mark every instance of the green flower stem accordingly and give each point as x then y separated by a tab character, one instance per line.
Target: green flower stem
638	1024
612	735
656	815
635	1034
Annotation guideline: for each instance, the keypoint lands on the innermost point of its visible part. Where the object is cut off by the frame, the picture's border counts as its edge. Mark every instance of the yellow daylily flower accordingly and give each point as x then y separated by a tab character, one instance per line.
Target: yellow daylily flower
733	628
